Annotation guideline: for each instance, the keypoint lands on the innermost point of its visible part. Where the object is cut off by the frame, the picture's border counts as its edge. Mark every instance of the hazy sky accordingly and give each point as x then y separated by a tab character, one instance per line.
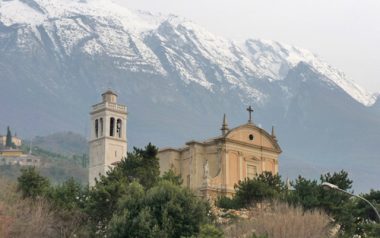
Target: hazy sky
346	33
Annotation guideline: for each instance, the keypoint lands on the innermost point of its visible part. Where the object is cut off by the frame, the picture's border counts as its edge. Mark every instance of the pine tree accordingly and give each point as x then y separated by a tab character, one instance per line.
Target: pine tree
8	142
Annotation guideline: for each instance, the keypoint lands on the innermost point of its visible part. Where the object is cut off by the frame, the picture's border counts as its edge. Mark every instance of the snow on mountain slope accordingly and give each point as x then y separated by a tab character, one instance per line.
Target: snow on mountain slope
35	12
93	27
101	27
275	59
194	53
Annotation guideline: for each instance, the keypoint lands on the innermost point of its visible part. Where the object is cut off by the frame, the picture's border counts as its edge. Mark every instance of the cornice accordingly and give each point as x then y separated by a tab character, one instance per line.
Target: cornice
108	138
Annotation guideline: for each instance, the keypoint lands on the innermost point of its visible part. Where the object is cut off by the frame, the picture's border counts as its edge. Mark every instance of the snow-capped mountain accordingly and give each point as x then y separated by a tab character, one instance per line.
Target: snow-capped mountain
177	78
121	33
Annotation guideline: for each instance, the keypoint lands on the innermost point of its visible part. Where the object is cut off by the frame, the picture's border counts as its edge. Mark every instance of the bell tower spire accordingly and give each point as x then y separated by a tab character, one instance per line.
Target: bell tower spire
224	128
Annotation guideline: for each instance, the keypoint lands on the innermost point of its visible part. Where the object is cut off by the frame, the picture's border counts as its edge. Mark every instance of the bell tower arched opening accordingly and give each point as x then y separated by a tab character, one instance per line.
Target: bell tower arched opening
112	126
119	128
96	128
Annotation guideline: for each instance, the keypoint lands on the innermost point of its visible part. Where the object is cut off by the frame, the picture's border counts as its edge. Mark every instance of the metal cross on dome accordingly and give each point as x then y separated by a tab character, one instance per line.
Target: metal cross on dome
250	110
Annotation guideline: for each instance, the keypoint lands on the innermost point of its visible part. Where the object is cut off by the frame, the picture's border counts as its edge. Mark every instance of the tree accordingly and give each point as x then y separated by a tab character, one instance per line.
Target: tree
311	195
172	177
178	212
68	195
103	198
367	211
141	165
132	220
338	178
365	219
32	184
8	142
165	210
338	205
272	180
266	186
250	191
305	193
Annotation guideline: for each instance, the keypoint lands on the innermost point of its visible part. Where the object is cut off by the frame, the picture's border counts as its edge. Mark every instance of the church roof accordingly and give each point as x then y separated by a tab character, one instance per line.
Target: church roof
272	145
109	91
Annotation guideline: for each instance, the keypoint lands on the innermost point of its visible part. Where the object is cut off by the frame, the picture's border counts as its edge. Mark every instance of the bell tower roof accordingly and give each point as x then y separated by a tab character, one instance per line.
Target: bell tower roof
109	96
109	102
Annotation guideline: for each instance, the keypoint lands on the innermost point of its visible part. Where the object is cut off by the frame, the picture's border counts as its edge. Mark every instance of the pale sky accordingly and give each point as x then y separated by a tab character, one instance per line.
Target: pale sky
346	33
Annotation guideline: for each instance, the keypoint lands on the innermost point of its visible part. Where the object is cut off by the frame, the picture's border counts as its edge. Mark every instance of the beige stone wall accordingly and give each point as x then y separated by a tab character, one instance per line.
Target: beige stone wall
230	158
169	159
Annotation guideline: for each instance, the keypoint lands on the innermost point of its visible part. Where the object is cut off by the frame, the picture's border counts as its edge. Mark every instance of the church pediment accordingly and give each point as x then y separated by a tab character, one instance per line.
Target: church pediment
251	134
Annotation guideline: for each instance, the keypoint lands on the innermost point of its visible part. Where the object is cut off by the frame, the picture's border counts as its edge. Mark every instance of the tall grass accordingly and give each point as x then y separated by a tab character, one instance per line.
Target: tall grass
279	220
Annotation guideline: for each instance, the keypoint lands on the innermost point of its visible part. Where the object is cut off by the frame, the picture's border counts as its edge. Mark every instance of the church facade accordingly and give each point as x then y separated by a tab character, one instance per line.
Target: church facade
211	168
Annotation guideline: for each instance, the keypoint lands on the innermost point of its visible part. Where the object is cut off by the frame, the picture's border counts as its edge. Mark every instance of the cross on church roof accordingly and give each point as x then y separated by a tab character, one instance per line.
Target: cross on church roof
250	110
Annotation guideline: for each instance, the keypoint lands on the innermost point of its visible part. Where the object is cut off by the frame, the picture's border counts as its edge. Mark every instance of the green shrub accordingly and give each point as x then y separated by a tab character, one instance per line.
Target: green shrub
210	231
251	191
31	183
227	203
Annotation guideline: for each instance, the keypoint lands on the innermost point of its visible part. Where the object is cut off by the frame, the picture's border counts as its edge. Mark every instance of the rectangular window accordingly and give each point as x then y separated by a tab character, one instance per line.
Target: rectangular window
251	171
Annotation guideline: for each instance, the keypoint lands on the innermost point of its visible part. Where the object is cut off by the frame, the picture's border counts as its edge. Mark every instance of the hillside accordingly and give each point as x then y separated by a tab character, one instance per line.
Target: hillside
64	143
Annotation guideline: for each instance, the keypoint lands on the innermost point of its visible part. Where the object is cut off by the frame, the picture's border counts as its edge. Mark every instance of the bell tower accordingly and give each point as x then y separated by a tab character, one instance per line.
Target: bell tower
108	141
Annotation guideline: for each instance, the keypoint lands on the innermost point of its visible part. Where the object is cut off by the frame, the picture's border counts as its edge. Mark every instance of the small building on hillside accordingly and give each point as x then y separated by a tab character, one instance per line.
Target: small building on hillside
22	160
212	167
15	140
11	153
17	157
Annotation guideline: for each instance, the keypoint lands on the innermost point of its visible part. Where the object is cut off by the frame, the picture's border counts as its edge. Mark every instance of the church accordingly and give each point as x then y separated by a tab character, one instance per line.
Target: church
210	168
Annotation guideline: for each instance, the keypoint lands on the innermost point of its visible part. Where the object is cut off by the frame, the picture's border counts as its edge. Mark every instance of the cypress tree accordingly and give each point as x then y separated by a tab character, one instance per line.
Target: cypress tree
8	142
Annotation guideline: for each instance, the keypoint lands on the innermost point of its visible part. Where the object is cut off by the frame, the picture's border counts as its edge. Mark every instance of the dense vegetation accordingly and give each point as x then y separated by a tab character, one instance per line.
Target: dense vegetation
353	216
131	200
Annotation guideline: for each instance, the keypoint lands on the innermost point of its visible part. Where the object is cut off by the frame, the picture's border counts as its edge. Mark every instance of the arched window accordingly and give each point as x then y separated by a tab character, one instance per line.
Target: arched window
96	128
118	127
101	126
112	126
